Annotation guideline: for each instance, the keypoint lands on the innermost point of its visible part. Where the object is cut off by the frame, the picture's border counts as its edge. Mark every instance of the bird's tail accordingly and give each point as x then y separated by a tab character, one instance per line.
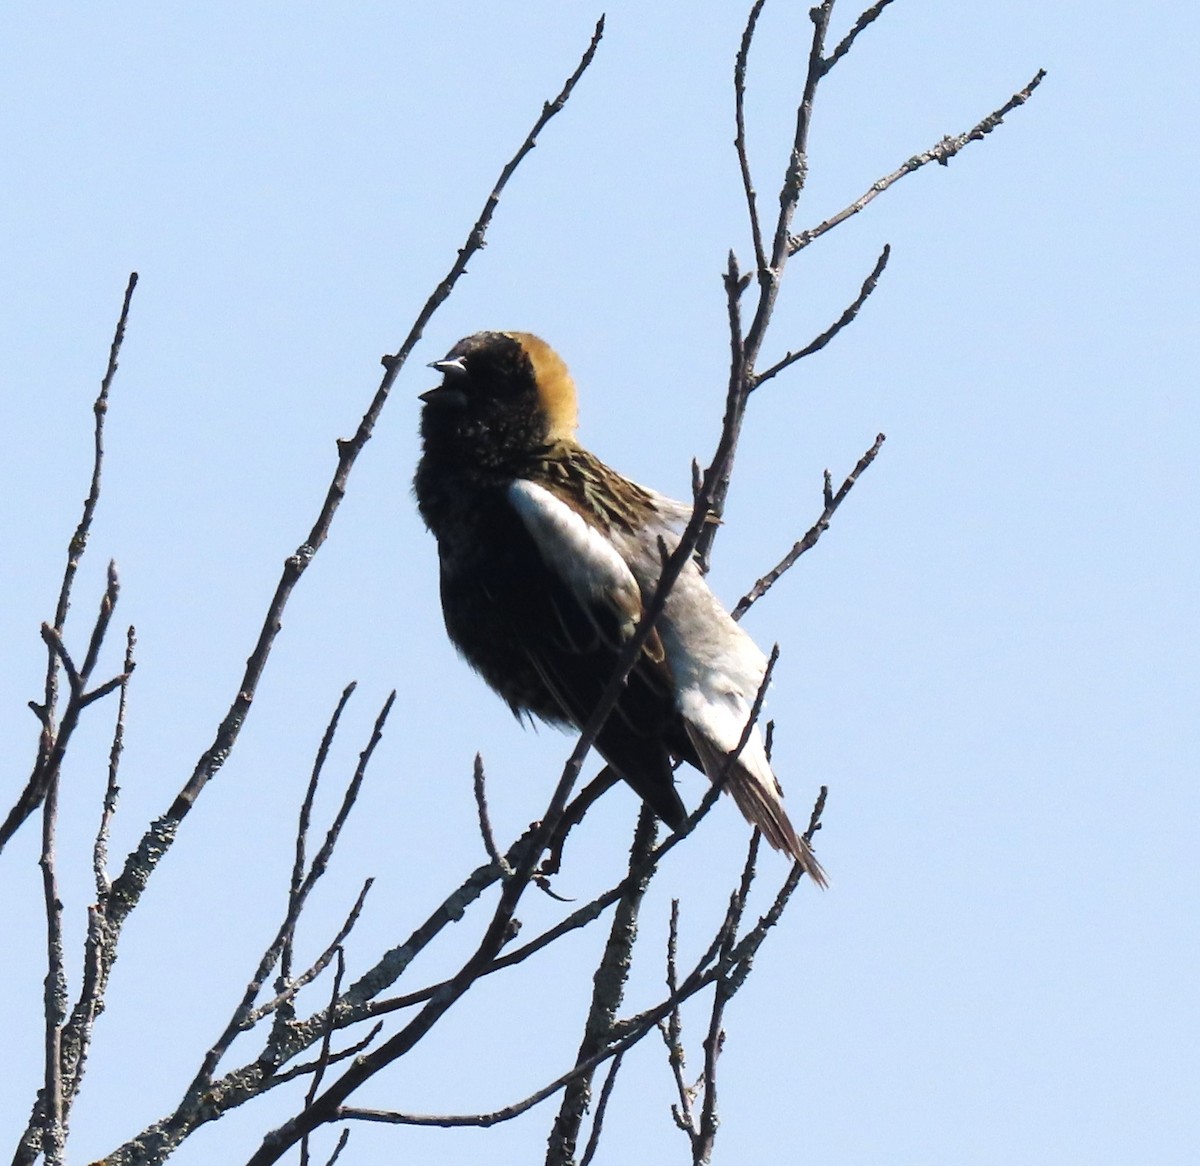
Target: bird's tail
758	796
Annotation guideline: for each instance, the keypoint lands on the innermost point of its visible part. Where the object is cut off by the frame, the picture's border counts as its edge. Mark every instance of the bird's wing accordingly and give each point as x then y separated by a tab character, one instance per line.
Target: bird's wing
596	603
593	570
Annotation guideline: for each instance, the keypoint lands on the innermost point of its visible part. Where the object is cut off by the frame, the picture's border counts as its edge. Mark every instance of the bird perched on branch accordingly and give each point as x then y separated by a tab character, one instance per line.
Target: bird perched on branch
547	559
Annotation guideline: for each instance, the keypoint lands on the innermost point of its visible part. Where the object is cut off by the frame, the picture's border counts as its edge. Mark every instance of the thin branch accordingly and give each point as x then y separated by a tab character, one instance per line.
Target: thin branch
940	153
485	821
739	101
53	1130
52	638
45	768
868	17
814	822
847	317
573	814
578	918
306	1067
745	347
299	861
626	1034
593	1142
51	1110
672	1033
99	954
341	1145
315	969
818	528
714	1040
245	1015
736	396
159	838
323	1058
49	763
128	887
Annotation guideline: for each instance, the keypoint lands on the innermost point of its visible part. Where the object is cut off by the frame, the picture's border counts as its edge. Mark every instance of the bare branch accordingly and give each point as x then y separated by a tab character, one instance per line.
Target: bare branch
714	1040
323	1058
299	862
53	1107
818	528
745	348
593	1142
573	815
306	1067
672	1033
847	317
625	1034
45	768
245	1015
54	641
341	1145
161	834
485	821
941	153
739	100
306	977
868	17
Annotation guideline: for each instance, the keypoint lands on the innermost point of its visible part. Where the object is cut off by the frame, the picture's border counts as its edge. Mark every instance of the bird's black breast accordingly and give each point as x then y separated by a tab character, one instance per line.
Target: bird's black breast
498	597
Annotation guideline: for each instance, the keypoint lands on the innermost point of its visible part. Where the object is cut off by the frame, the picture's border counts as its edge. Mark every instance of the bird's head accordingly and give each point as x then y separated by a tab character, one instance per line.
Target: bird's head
503	396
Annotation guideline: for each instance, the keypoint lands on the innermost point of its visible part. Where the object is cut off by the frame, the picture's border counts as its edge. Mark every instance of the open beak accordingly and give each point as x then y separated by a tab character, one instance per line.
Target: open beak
446	392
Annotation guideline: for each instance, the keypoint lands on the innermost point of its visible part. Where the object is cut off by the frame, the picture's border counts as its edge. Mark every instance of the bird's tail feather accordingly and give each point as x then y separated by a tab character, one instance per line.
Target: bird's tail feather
760	805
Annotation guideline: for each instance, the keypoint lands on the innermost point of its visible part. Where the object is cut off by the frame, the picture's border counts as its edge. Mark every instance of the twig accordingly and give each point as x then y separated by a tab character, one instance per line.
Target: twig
68	1040
745	347
847	317
49	763
55	996
814	822
940	153
578	918
341	1145
672	1033
326	1039
714	1040
868	17
832	502
739	103
625	1035
245	1015
573	814
485	821
295	983
593	1142
299	861
306	1067
44	768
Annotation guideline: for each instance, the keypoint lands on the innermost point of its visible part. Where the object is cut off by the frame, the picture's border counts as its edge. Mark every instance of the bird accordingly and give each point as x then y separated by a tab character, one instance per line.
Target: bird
547	559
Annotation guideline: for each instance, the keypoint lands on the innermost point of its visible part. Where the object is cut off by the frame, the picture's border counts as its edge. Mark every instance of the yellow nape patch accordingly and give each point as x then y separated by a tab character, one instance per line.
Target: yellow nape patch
555	386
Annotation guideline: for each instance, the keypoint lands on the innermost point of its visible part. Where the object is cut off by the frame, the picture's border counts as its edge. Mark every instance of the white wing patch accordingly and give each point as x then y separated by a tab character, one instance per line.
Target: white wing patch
582	557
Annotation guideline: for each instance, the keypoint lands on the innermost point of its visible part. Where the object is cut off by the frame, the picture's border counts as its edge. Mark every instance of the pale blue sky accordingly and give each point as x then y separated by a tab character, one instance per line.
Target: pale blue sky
991	658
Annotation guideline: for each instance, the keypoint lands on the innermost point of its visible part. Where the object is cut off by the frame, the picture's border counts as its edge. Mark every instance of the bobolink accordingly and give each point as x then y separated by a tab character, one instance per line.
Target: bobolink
547	557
